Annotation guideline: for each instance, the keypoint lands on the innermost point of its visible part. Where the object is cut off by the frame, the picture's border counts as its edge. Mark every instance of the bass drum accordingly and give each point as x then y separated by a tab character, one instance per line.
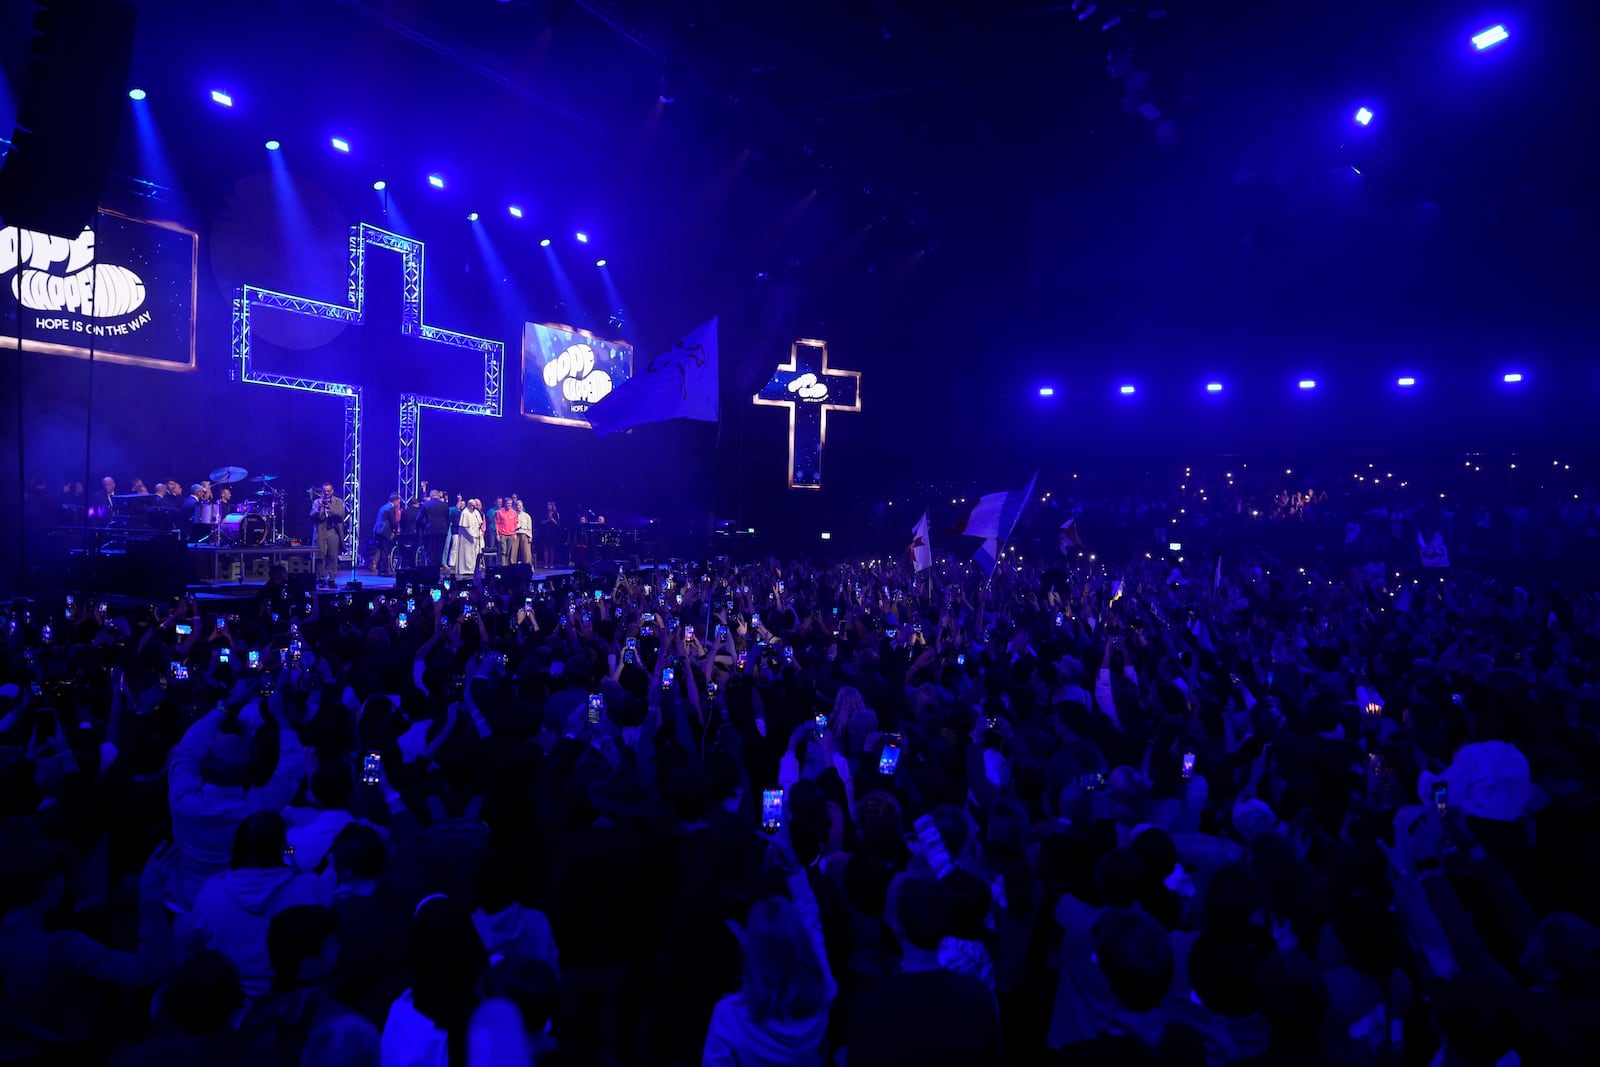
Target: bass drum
245	530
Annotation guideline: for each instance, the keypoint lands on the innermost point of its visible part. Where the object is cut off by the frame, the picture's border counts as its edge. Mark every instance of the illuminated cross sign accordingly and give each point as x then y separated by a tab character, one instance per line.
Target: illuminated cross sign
493	354
810	390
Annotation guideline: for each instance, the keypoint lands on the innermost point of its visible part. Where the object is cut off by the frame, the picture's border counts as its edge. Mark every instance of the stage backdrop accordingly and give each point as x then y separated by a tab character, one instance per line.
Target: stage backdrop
565	370
126	286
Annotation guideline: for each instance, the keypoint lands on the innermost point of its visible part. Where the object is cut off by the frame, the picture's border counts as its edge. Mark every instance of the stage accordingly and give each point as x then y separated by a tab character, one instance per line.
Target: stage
367	580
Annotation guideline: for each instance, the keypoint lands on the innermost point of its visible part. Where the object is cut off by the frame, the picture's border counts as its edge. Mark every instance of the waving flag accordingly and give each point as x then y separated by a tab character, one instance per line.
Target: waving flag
1070	538
681	383
921	547
993	518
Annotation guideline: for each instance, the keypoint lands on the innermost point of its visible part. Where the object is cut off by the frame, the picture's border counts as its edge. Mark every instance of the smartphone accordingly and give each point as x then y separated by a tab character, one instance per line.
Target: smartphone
527	603
730	605
48	635
780	587
629	656
961	659
1441	798
992	724
371	768
267	686
180	672
1091	783
889	760
102	607
1061	619
755	620
411	603
668	676
688	631
254	660
890	634
466	611
771	810
446	585
722	631
711	690
224	655
598	596
597	708
633	643
222	624
1188	765
436	594
680	600
402	621
294	653
585	616
184	630
821	723
744	658
1457	699
69	602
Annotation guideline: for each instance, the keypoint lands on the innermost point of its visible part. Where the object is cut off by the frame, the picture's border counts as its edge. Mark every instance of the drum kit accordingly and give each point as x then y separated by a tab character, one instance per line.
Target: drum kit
254	519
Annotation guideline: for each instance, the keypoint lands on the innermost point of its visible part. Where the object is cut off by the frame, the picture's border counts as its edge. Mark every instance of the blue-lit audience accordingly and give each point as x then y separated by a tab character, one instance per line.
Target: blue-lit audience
1323	805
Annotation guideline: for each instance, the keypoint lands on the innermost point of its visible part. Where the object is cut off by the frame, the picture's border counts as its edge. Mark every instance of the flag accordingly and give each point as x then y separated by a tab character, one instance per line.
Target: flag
1434	552
993	518
921	547
1070	538
681	383
987	556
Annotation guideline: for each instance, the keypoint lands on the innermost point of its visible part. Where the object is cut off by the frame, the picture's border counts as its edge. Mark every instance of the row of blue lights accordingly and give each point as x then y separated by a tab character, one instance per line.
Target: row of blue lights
1403	382
1482	42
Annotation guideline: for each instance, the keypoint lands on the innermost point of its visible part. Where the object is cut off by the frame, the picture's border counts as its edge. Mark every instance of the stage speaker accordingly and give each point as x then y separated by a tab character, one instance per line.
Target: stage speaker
512	575
74	93
417	576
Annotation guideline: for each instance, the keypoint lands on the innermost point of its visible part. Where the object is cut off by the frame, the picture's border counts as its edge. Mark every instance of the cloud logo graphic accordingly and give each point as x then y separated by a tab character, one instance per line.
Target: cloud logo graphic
808	388
573	370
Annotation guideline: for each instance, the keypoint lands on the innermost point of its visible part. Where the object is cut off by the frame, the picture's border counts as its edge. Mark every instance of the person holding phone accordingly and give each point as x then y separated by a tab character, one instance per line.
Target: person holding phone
328	533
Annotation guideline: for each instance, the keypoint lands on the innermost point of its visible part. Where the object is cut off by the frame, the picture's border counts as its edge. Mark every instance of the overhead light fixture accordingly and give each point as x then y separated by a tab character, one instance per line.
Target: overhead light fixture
1213	387
1512	378
220	97
340	144
1405	383
472	216
380	185
136	94
1307	383
1127	390
583	238
1489	37
1045	390
599	262
1363	116
273	146
516	212
436	180
545	243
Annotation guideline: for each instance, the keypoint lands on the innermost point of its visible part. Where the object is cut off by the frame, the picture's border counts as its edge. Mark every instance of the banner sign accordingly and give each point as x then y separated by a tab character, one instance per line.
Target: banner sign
565	370
125	287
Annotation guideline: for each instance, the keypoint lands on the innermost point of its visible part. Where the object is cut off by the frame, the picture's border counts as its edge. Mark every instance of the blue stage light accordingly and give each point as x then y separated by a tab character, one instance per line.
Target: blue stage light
436	180
1307	383
136	94
1045	390
1363	116
380	185
340	144
1512	378
599	262
1405	383
1213	387
220	97
472	216
1489	37
1127	390
273	146
545	243
516	212
583	238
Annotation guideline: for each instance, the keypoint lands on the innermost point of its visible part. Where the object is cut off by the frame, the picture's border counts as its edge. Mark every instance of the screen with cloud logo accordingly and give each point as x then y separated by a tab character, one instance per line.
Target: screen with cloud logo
565	370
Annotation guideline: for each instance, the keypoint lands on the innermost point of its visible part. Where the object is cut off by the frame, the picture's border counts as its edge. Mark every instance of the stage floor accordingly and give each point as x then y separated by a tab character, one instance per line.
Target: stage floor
379	583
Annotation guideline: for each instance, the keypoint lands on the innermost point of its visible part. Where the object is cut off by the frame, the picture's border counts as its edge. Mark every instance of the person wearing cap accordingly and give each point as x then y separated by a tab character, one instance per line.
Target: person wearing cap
210	793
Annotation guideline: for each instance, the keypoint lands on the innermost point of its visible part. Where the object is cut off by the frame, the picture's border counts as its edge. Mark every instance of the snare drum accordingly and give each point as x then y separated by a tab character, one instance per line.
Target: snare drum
246	530
207	513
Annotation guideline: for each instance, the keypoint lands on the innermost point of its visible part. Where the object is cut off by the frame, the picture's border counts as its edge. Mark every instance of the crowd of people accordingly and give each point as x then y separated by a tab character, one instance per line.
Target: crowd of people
1333	808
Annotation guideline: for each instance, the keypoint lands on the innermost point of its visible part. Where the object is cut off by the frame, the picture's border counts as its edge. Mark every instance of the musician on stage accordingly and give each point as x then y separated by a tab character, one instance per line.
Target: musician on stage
327	522
523	553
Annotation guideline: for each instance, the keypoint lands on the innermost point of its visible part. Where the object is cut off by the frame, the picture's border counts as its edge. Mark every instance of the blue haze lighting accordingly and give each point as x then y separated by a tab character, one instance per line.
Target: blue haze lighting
220	97
1489	37
1307	383
380	185
1213	387
273	146
1512	378
583	238
516	212
435	180
136	94
545	243
1363	116
1127	390
340	144
1045	390
1405	383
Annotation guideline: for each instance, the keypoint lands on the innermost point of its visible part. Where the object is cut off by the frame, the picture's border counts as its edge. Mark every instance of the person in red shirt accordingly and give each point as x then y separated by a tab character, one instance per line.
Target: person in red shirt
505	527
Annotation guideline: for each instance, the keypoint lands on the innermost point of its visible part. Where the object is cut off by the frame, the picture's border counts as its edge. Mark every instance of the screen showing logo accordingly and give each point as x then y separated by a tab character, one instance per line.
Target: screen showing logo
125	287
565	370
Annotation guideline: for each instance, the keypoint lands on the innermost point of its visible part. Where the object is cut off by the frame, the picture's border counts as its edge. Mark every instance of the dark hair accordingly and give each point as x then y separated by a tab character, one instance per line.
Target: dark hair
203	994
1294	997
1224	969
259	842
1121	877
923	908
332	783
497	881
447	959
1135	955
295	934
359	853
1231	900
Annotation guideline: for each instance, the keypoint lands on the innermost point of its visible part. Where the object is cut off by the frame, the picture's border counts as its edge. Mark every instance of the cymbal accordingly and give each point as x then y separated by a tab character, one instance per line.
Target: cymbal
229	474
265	478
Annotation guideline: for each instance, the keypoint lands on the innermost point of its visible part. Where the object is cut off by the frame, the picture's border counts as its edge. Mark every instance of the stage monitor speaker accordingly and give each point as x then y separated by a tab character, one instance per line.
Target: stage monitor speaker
418	576
69	115
513	575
